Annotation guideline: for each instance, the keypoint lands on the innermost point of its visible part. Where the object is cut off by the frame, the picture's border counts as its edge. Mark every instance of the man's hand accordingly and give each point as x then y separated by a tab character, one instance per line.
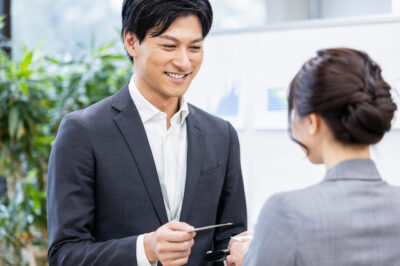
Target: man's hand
170	244
238	249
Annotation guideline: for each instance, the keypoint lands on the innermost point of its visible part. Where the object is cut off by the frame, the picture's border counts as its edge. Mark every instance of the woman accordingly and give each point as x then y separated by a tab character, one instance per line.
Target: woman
339	105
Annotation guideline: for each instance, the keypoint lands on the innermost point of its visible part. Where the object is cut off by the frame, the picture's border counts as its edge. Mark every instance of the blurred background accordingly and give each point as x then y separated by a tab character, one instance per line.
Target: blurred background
59	56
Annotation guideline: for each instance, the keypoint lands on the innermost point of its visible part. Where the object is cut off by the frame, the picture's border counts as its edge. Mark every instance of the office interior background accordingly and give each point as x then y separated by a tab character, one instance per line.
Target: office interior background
254	49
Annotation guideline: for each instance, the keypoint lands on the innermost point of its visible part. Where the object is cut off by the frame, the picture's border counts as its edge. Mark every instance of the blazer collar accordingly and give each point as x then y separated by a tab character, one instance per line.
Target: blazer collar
132	130
131	127
195	155
354	169
121	99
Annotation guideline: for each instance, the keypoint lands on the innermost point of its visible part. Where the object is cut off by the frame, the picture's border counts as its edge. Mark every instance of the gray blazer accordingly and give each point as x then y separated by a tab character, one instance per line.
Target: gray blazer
103	188
351	218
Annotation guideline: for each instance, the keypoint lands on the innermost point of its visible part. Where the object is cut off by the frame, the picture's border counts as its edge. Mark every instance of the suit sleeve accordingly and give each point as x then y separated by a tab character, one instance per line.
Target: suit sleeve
71	204
232	205
274	241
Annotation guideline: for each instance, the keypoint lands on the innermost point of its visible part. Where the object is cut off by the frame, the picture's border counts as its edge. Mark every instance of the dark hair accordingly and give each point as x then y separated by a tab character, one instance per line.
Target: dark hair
140	16
345	87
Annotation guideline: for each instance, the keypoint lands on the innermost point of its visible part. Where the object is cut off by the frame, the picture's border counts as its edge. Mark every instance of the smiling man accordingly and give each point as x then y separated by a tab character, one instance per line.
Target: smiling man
131	176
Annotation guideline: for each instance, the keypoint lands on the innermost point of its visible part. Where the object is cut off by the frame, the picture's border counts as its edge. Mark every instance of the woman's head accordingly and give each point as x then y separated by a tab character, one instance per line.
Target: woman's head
343	87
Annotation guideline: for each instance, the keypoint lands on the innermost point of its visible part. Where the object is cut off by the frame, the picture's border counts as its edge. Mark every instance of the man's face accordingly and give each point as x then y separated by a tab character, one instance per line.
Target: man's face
166	65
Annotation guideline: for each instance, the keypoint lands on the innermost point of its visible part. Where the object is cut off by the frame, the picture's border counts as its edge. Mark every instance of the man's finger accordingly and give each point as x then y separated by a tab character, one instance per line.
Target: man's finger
174	256
177	247
180	261
177	236
180	226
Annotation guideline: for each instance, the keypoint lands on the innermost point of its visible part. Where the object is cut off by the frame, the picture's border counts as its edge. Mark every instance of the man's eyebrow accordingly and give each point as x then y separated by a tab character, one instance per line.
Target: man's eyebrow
197	40
167	37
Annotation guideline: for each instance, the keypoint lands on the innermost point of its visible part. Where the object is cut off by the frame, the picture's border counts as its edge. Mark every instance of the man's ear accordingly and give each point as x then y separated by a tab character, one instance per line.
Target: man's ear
313	123
131	43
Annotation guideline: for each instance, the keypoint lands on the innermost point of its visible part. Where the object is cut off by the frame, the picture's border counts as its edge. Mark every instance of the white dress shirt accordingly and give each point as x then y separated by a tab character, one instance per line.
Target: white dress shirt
169	149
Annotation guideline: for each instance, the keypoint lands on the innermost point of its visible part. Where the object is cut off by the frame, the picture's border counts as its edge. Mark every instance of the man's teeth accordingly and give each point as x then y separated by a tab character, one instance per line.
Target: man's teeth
177	76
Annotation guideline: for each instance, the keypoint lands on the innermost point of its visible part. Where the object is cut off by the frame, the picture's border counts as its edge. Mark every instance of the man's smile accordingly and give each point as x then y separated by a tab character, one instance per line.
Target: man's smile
176	75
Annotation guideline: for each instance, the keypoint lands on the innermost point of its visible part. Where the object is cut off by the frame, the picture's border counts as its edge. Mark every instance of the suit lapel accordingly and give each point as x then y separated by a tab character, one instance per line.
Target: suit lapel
131	127
195	154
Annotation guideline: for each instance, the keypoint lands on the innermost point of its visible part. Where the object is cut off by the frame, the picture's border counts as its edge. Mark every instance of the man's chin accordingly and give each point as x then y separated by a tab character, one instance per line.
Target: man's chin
175	92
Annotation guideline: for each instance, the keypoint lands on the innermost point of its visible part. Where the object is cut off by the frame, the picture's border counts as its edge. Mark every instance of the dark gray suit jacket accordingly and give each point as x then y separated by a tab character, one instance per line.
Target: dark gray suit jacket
352	218
103	188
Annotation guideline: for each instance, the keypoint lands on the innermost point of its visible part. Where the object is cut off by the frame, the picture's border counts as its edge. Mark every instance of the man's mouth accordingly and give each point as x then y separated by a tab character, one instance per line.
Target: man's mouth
176	76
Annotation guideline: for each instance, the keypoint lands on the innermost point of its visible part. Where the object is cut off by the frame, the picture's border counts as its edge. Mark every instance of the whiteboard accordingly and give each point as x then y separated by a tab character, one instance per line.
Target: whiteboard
265	62
244	73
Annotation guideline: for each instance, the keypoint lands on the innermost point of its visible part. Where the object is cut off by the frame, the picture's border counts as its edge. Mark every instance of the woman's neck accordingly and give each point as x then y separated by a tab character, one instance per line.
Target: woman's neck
335	153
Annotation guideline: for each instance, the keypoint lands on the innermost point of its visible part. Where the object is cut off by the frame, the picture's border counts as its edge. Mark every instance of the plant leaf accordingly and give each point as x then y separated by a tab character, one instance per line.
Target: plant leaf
2	18
3	154
24	89
19	129
106	47
26	62
110	56
13	117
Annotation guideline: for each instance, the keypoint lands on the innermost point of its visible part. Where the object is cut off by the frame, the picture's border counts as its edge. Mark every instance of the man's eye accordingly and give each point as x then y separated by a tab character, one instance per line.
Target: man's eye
169	46
195	47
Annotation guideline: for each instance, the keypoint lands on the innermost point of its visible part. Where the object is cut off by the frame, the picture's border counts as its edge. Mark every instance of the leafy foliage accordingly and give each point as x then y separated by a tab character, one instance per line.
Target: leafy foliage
35	92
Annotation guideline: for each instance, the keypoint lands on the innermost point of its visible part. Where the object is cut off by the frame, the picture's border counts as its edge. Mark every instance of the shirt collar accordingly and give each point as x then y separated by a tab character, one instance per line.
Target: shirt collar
147	111
354	169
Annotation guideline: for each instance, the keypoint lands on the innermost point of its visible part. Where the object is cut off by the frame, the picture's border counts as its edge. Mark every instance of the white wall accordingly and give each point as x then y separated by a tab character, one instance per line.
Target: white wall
287	10
271	162
349	8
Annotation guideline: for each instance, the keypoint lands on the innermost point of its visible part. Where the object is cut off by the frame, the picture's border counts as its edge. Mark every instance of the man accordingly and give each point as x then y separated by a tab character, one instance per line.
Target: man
131	176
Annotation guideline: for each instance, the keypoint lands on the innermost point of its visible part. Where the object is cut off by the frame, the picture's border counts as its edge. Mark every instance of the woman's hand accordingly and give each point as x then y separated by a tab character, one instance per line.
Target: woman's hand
238	248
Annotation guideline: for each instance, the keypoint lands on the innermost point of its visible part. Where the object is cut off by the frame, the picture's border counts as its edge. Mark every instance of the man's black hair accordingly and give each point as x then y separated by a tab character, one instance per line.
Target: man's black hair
139	16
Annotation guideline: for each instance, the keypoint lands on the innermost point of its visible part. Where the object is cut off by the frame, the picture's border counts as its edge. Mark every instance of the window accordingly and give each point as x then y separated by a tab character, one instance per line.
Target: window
65	25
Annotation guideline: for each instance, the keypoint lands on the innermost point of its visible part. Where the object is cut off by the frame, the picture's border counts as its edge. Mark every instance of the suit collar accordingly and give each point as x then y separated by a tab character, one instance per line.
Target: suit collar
195	155
131	127
121	99
355	169
132	130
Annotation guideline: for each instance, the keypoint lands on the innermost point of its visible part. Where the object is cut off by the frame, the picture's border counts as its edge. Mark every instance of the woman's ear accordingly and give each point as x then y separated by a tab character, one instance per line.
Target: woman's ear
313	124
131	42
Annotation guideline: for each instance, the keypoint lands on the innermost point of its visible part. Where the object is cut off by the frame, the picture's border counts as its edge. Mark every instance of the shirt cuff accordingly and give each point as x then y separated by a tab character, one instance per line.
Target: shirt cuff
141	257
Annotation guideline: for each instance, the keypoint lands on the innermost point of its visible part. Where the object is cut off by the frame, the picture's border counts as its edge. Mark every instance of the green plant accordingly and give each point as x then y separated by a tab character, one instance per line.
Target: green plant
26	96
35	92
18	230
2	22
83	81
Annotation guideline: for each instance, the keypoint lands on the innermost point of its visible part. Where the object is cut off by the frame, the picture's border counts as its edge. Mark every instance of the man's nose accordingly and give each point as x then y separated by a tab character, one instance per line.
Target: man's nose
182	60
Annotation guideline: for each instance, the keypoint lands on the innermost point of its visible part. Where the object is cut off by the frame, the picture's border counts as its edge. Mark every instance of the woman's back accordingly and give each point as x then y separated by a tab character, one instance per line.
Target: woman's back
351	218
339	105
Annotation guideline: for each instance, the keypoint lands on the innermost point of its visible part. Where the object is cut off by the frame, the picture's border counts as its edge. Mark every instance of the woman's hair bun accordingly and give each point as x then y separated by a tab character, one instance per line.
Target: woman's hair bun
346	88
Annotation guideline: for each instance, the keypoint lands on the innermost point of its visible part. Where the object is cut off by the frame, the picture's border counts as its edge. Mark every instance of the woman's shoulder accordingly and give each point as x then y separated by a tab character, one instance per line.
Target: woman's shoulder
294	198
327	199
298	205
